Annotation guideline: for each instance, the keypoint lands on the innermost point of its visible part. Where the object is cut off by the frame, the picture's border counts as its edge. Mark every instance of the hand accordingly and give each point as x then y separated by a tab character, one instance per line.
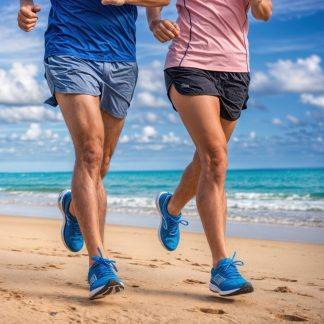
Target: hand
27	17
113	2
164	30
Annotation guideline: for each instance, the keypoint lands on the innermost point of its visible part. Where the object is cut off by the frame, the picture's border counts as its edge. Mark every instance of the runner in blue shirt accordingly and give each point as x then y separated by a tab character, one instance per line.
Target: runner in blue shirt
91	70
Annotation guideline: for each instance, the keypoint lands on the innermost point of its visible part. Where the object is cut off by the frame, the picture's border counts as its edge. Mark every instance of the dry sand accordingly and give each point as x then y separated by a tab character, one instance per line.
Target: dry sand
41	282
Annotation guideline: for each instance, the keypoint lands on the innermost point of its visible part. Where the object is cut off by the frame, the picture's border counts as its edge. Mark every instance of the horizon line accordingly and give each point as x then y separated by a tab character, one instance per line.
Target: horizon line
180	170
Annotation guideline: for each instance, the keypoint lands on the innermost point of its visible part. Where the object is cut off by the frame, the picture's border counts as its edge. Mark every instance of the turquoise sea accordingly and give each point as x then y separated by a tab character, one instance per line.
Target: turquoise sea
287	197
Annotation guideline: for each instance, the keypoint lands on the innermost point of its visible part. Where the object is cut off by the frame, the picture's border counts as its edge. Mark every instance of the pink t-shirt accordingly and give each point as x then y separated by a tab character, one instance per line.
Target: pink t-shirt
213	36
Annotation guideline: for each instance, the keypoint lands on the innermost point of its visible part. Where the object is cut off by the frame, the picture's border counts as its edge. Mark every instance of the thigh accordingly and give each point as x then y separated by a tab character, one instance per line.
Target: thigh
83	118
112	129
228	127
201	117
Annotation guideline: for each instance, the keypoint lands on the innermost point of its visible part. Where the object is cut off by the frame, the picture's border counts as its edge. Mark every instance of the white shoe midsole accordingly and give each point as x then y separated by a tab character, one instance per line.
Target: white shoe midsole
214	288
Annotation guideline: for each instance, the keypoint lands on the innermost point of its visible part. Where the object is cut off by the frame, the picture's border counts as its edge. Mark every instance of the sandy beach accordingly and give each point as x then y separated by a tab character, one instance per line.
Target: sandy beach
40	282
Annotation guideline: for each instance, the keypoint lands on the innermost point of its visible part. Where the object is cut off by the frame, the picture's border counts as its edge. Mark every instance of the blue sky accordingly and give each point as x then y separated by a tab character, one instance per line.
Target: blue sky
283	127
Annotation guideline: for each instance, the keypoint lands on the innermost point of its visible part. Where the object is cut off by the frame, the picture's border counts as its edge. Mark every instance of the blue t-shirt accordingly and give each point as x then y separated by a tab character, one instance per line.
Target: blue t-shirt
87	29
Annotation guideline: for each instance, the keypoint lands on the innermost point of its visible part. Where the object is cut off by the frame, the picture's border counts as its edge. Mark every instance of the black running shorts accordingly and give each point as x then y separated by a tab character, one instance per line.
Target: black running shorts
230	87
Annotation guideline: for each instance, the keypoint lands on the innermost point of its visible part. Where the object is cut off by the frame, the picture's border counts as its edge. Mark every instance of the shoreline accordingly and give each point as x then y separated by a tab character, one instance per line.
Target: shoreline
262	231
46	283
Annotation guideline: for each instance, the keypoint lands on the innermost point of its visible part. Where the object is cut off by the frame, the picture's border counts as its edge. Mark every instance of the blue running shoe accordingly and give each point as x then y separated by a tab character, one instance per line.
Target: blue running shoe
168	232
226	280
103	278
71	233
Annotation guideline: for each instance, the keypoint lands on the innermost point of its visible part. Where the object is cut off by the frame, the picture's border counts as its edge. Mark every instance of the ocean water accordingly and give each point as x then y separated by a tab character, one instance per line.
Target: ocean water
282	197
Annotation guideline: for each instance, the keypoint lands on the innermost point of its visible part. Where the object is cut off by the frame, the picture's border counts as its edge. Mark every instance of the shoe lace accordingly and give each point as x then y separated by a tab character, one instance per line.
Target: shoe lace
172	224
75	227
109	266
230	267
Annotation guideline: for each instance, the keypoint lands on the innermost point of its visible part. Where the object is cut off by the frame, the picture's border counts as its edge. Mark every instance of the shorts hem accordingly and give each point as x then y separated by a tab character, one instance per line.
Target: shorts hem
113	114
193	94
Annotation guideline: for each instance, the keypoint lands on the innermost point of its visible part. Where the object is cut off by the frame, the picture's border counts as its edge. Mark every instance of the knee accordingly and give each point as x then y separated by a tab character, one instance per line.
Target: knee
214	162
90	154
105	164
195	164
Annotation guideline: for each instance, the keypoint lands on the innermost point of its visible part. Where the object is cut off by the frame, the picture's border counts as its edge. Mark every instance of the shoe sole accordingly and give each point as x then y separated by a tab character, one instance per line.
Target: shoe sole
245	289
157	199
110	288
60	206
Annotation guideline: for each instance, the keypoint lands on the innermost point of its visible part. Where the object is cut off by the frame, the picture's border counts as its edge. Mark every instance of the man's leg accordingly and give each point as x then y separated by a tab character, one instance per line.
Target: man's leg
206	131
187	187
84	121
112	129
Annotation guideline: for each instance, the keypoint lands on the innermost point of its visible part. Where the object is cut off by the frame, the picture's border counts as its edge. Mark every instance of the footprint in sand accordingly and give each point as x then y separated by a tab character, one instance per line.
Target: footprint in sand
212	311
292	318
321	289
135	286
304	295
194	281
275	278
282	289
145	265
311	284
123	257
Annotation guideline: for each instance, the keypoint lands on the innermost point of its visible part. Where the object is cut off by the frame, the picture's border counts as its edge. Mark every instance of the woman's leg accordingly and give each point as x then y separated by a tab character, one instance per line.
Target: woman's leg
201	117
187	187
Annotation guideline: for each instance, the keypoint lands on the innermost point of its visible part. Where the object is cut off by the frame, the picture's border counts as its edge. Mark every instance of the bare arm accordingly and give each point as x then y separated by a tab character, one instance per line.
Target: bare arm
142	3
27	15
162	29
261	9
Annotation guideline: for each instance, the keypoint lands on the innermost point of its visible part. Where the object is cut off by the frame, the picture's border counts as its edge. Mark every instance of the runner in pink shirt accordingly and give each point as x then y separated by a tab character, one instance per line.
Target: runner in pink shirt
207	80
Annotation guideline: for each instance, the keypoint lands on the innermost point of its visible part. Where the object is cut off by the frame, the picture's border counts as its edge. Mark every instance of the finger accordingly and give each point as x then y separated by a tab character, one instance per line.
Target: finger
163	36
176	26
36	9
169	33
159	38
169	25
23	27
27	12
177	29
28	20
168	28
28	27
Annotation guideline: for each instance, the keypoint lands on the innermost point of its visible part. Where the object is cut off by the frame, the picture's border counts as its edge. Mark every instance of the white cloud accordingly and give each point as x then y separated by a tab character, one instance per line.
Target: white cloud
152	147
33	133
297	7
276	121
313	100
8	150
124	139
293	119
300	76
29	114
252	135
19	85
151	77
172	118
150	100
49	134
148	133
171	138
151	117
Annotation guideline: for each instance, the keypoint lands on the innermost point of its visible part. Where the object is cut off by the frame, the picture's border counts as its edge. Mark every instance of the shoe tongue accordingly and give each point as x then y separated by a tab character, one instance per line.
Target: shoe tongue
165	207
223	262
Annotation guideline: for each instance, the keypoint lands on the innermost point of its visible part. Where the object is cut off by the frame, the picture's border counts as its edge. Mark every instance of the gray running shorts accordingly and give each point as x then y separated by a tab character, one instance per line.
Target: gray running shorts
113	82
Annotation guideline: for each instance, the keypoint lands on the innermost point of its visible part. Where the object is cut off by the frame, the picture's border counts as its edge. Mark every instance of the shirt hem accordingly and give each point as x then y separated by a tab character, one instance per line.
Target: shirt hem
90	57
215	68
